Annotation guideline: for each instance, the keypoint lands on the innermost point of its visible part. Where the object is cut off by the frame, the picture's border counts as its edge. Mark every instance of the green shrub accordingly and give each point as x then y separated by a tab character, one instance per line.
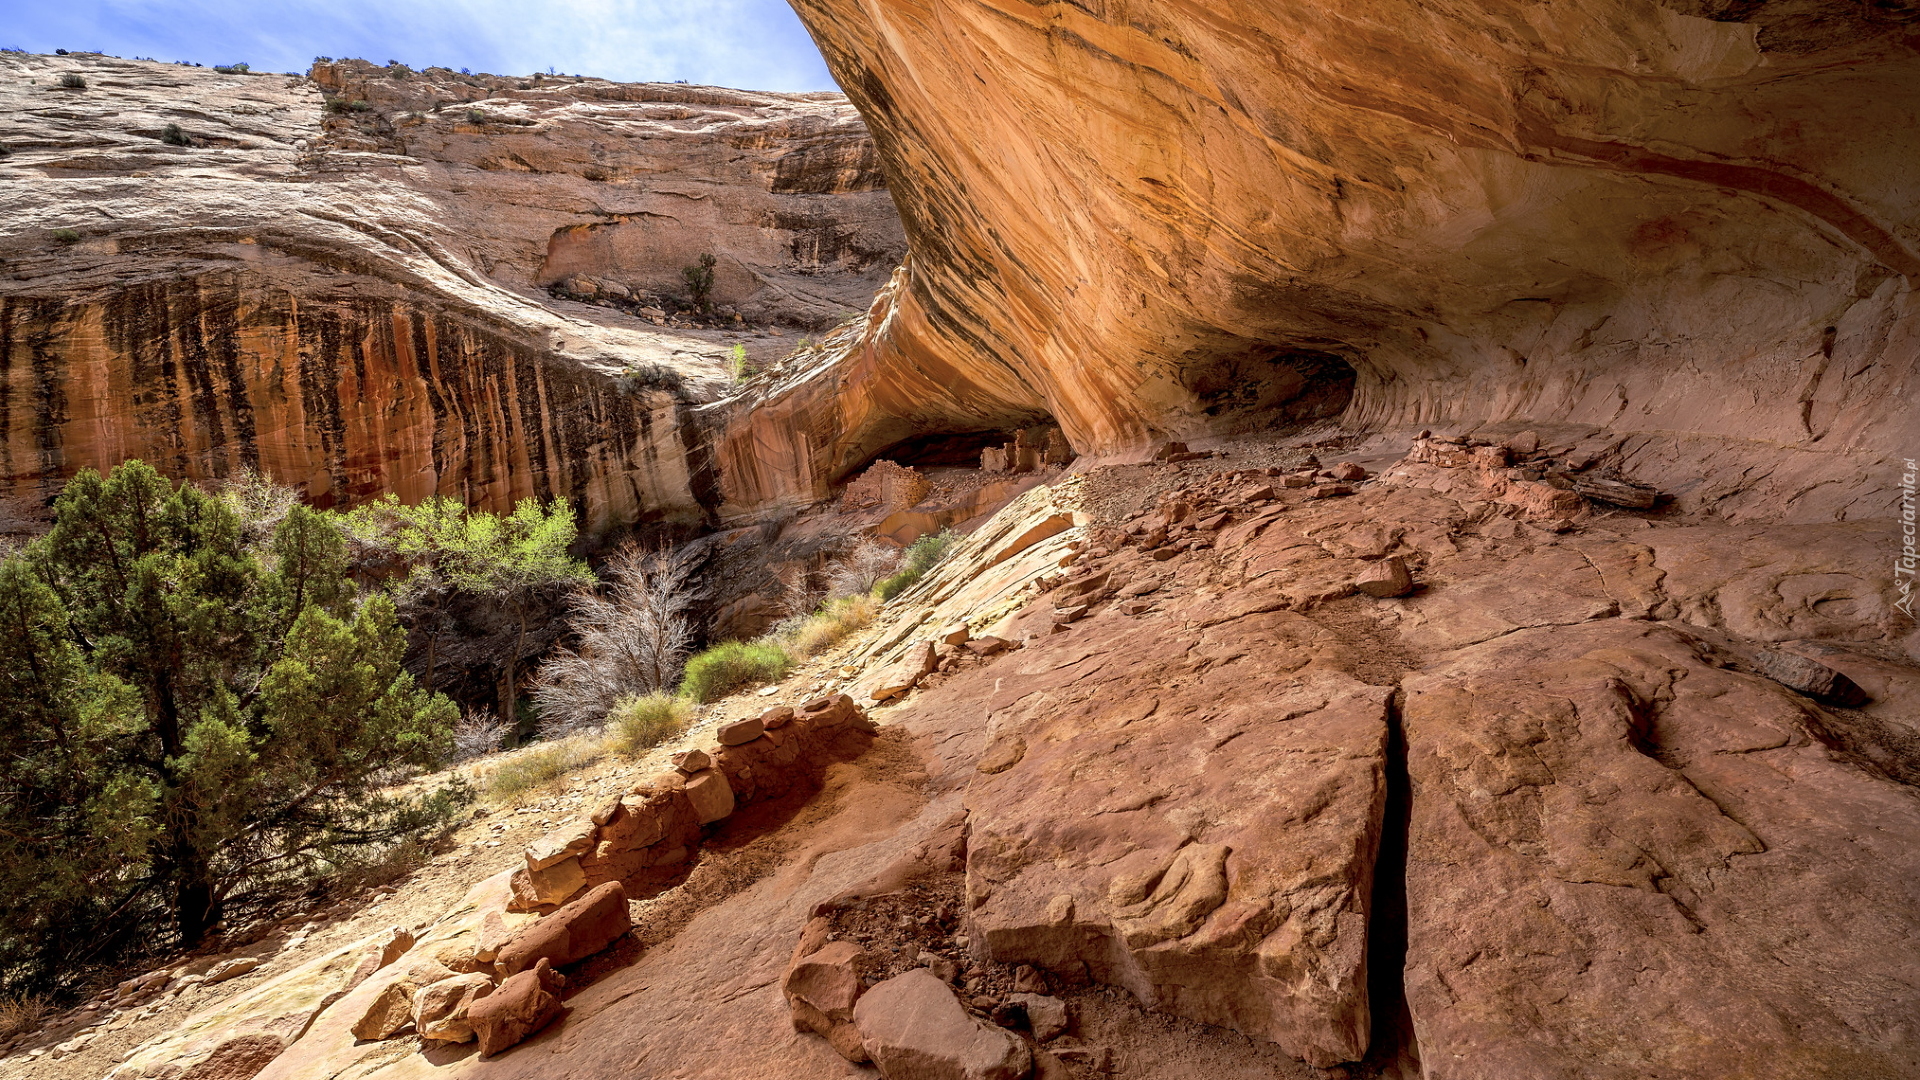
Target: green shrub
640	722
921	557
231	69
66	236
737	362
338	106
699	279
732	666
73	82
539	765
230	719
475	116
173	136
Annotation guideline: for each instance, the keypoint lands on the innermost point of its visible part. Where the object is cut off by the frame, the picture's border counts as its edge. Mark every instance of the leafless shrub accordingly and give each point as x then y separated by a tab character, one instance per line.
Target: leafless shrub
21	1013
861	569
478	733
803	595
259	503
631	641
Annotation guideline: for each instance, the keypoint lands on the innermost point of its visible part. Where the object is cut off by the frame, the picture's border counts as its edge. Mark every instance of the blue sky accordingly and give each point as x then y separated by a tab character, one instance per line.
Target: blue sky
752	44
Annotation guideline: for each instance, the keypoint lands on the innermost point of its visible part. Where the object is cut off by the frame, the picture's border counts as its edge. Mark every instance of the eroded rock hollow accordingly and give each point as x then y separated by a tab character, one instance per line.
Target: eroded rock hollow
1690	220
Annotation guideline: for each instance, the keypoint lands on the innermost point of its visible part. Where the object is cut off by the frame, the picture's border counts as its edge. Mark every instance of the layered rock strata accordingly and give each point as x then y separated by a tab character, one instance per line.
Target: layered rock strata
361	298
1690	221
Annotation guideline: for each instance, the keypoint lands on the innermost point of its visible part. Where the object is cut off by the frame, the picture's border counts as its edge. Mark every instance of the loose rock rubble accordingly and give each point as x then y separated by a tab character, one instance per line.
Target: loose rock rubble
649	833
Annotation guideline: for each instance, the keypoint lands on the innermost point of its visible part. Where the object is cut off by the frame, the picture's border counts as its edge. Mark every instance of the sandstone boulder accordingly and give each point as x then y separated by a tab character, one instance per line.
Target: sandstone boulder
914	1028
1617	492
517	1009
549	885
440	1009
691	761
1808	676
398	941
989	645
741	732
710	794
561	843
905	673
571	934
822	988
642	820
231	969
392	1009
1046	1015
1386	578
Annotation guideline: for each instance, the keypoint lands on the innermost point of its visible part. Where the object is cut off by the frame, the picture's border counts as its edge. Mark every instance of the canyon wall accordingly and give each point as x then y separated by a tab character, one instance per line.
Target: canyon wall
1695	221
390	293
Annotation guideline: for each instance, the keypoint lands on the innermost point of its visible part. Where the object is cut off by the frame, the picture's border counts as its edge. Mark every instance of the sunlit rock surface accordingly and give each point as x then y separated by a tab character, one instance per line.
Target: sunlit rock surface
380	299
1690	219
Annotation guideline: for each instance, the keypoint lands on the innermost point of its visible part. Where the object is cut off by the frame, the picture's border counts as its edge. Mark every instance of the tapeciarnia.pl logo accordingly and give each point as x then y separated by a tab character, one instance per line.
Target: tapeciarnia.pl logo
1909	559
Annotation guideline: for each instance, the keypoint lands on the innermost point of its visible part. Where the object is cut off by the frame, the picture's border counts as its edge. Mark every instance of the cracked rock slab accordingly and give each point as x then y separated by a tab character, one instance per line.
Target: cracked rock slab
1625	862
1194	818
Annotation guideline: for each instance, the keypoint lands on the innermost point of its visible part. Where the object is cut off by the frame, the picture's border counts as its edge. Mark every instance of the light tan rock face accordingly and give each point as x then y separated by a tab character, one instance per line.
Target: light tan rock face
359	303
1148	221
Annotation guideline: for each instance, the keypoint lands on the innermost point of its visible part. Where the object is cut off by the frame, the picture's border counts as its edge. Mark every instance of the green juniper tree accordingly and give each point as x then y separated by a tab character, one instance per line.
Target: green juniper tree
430	552
189	722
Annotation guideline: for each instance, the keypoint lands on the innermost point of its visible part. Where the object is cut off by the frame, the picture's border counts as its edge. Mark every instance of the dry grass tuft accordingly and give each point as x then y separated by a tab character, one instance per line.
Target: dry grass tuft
640	722
20	1013
540	765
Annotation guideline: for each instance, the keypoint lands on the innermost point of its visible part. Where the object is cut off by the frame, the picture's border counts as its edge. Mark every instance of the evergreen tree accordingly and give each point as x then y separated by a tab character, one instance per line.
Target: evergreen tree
428	552
187	723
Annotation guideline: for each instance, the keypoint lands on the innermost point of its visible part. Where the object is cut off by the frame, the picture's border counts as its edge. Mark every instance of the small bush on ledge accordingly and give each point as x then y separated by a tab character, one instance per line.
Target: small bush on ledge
73	82
173	136
922	556
640	722
732	666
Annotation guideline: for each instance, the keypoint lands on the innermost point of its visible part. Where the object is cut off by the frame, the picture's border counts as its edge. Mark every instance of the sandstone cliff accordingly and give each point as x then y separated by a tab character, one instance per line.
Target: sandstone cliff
380	296
1694	220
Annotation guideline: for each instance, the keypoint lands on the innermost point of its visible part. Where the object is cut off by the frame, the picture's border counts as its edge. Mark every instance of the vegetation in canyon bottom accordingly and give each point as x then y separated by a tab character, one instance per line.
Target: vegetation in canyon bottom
211	709
200	715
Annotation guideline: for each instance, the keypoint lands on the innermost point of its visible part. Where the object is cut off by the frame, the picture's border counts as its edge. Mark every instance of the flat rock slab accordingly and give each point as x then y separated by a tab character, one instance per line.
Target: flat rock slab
1192	816
241	1036
914	1028
1626	862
